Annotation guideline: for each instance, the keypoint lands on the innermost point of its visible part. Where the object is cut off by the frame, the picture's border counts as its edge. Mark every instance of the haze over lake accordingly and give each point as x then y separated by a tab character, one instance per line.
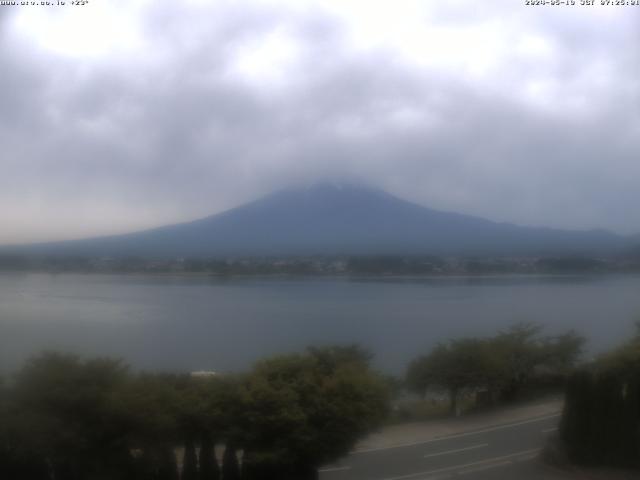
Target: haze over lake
193	323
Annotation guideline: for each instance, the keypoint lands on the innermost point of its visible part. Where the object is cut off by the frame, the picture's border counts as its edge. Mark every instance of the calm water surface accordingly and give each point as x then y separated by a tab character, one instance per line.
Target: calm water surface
193	323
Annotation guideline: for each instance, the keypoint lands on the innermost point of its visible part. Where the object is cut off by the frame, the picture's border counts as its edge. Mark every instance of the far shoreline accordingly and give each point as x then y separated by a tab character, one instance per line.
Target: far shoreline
332	276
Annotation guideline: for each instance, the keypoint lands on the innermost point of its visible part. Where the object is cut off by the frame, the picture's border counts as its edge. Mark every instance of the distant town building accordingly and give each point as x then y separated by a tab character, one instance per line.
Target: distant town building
203	374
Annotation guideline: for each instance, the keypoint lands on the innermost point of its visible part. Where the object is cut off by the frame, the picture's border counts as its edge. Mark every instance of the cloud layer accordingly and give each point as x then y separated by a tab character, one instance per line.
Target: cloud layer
126	115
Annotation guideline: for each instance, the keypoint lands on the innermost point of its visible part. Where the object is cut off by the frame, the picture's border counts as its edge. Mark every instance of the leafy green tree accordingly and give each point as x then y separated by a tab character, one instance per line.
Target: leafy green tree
575	425
520	352
230	467
209	468
562	352
456	366
208	408
505	363
67	413
607	402
523	352
167	468
304	410
18	457
420	376
630	426
622	423
601	420
190	462
624	360
5	442
153	405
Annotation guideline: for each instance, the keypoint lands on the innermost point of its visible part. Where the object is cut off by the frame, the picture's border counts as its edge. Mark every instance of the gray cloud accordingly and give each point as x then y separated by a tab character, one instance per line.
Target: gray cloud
181	127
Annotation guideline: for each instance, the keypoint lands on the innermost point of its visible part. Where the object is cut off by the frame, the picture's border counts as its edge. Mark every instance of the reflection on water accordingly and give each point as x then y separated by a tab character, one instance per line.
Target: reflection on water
195	323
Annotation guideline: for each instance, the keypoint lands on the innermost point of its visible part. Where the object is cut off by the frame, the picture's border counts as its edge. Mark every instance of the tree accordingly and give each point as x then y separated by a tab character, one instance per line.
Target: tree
456	366
625	360
167	468
151	403
67	414
17	460
209	469
301	411
601	420
230	467
420	376
190	462
504	363
520	352
561	353
575	425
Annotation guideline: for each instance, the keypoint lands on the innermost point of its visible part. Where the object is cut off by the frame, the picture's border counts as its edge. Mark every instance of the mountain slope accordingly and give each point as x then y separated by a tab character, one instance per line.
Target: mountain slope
329	219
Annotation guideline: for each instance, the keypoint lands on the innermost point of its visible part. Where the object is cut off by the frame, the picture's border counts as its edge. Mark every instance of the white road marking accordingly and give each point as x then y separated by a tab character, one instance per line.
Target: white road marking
457	435
482	468
549	430
448	452
334	469
495	461
523	458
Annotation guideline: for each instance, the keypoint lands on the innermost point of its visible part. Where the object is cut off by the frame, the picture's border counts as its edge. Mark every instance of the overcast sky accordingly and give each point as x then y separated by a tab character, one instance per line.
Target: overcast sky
121	115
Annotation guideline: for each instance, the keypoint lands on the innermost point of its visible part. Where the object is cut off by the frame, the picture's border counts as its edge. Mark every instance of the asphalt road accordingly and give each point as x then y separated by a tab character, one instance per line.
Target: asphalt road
507	451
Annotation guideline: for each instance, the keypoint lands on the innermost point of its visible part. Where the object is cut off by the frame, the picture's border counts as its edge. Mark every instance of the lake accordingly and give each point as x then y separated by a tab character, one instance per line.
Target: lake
201	323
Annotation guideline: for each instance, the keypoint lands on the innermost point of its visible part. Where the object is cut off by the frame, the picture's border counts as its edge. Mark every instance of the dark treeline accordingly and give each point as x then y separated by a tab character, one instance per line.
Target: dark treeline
64	418
601	420
379	265
496	369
